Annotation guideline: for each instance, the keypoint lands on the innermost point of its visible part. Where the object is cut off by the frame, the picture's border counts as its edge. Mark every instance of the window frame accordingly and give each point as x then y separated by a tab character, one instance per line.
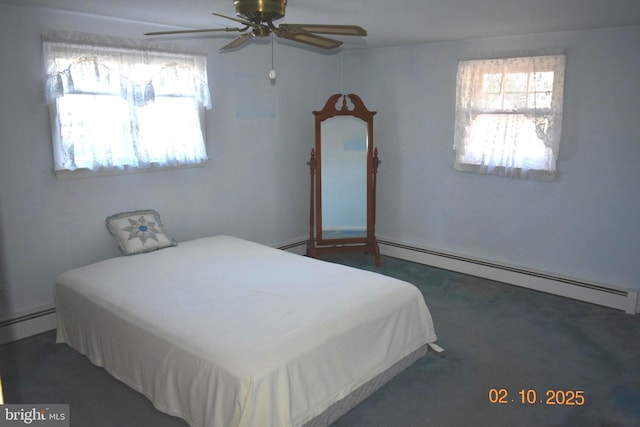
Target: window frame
73	49
467	112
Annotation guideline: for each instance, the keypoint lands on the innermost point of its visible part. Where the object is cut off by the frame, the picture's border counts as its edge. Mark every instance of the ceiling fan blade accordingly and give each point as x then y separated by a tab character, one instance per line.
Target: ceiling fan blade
208	30
238	42
344	30
242	21
310	39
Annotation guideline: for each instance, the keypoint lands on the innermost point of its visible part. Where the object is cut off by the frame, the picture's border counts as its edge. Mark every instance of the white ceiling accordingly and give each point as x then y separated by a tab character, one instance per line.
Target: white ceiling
388	22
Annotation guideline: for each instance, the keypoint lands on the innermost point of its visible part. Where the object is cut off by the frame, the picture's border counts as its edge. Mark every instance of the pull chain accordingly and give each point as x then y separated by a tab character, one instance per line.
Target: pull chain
272	73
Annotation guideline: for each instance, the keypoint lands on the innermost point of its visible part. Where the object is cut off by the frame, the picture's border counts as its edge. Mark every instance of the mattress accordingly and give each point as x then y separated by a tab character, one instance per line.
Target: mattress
225	332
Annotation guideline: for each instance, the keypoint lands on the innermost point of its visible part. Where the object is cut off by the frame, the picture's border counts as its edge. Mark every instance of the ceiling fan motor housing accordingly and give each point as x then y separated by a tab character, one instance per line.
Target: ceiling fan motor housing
259	10
258	16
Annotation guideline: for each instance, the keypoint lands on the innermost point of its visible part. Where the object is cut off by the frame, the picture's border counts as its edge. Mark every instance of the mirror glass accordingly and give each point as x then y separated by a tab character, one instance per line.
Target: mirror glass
344	177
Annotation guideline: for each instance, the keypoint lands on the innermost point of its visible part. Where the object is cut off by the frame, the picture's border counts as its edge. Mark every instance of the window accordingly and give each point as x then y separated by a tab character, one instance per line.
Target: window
115	108
509	116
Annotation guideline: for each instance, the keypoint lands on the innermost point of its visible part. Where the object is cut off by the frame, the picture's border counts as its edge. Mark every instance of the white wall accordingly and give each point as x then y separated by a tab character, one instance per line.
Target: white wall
255	184
586	225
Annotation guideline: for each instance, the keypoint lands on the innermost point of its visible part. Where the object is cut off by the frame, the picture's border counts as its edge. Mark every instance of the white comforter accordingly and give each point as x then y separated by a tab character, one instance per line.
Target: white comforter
224	332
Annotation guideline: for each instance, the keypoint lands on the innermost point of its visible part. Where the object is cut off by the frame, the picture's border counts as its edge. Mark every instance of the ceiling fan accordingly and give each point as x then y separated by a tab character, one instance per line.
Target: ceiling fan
257	18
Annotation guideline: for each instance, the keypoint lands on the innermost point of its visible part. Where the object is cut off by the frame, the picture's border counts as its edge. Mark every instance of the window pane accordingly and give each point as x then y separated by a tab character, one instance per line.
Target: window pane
540	100
95	131
541	81
515	82
491	83
515	101
169	131
506	139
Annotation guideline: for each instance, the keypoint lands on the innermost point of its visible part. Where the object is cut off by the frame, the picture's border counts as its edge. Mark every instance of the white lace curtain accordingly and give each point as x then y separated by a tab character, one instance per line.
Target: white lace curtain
134	103
509	116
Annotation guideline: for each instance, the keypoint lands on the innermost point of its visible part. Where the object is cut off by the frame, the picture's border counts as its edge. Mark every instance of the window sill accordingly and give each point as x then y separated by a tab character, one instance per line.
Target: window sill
531	174
66	174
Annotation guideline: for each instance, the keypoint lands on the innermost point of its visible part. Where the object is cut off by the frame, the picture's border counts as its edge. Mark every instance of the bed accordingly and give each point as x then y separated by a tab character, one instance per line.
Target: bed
221	331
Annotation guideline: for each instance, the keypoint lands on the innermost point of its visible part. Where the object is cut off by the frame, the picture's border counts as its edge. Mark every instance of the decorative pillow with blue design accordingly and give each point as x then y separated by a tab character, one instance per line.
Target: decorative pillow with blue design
139	231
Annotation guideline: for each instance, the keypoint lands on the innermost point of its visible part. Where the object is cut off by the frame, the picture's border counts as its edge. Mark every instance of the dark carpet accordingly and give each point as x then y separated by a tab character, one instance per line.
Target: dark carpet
503	344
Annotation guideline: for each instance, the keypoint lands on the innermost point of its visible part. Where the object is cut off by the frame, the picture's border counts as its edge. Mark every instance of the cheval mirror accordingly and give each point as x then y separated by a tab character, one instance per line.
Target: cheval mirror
343	168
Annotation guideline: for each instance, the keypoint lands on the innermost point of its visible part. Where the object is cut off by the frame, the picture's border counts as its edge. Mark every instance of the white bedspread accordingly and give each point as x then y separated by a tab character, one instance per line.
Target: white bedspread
224	332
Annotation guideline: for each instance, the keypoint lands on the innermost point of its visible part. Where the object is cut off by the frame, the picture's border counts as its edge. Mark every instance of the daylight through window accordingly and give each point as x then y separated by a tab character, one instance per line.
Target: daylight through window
509	116
116	108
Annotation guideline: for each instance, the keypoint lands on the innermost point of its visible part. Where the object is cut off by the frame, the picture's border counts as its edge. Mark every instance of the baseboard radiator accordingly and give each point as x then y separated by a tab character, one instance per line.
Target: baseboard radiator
608	296
25	325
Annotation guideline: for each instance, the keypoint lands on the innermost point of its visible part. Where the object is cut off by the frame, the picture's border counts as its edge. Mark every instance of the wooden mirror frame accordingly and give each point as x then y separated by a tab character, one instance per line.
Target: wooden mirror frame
318	244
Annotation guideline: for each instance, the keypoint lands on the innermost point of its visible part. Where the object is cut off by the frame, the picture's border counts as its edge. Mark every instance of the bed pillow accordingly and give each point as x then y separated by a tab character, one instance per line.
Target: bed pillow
139	231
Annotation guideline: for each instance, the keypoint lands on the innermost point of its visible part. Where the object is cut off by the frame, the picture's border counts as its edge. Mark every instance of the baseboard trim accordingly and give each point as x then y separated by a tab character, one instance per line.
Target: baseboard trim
298	246
595	293
26	325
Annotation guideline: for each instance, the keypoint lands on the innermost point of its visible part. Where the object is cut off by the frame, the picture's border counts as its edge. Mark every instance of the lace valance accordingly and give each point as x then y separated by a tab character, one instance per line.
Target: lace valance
137	72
